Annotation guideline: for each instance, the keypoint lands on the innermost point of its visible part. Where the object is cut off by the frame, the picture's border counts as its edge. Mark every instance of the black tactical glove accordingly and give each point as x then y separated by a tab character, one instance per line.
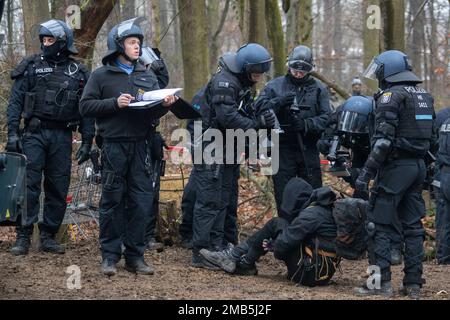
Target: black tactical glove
158	145
286	100
298	123
14	143
158	66
267	120
83	152
362	183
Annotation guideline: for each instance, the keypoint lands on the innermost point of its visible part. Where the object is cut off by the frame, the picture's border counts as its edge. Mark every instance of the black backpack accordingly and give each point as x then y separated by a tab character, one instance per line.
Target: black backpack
350	217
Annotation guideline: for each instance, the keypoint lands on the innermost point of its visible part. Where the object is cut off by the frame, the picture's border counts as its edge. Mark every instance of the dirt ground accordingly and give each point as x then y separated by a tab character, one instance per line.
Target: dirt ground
43	276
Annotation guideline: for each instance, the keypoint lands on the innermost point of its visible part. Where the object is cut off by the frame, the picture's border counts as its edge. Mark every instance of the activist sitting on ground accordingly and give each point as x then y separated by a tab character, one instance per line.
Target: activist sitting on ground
304	240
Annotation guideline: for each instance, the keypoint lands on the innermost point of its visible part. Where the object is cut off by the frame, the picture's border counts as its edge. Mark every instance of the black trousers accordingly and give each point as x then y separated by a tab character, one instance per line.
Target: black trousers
49	153
292	165
396	199
443	218
126	180
190	196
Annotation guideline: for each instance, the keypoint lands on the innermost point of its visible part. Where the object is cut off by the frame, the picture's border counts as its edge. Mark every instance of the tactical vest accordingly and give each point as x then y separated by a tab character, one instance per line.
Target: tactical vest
55	90
307	100
416	118
444	143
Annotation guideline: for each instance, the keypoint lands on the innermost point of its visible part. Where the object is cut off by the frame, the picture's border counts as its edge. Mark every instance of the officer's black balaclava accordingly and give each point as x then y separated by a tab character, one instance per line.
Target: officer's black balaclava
53	52
245	79
296	197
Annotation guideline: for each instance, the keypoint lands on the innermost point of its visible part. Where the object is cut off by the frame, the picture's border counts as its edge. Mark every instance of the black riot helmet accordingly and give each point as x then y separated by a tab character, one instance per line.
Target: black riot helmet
253	58
117	36
301	59
354	116
61	32
392	66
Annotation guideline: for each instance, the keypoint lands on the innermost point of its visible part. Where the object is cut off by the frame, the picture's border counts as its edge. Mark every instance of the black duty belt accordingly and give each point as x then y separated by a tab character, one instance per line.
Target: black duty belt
54	125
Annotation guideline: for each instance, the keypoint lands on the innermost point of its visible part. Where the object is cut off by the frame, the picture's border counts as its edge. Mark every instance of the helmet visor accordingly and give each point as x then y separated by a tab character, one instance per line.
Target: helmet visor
148	56
300	65
371	71
125	27
261	67
353	122
56	30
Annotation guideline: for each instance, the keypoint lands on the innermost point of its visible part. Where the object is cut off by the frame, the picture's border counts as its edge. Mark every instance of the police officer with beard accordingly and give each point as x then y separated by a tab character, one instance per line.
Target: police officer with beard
229	97
403	135
302	106
126	157
46	92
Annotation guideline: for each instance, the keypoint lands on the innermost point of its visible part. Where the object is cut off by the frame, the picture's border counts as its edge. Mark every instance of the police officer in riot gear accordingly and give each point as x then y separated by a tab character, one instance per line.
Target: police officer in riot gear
352	133
46	92
302	106
403	135
356	87
443	200
126	157
229	97
350	129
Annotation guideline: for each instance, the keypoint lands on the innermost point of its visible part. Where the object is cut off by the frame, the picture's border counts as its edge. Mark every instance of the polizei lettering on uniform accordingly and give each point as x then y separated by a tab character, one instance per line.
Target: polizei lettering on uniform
44	70
415	90
187	310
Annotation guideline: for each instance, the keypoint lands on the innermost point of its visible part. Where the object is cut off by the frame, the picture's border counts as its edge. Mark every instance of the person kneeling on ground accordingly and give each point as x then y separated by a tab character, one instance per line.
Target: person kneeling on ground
304	240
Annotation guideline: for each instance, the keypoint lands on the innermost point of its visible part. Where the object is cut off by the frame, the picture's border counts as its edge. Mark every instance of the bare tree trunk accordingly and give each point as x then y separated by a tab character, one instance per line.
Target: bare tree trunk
34	13
128	9
276	36
193	25
93	15
395	28
291	26
415	42
9	22
156	24
244	18
258	28
433	47
371	37
304	23
114	17
338	43
216	24
325	38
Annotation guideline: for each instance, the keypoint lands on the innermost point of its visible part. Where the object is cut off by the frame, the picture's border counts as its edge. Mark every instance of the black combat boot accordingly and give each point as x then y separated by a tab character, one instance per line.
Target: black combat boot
385	290
396	257
187	244
49	244
222	259
155	245
245	268
23	241
412	291
109	267
199	261
138	266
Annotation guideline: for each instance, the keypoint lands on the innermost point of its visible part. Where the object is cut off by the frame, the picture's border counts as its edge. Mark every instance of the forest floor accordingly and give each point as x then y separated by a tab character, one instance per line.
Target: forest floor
44	276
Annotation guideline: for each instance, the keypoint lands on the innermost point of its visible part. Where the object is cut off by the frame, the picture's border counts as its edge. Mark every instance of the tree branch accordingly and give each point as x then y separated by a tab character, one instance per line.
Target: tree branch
422	6
222	21
340	91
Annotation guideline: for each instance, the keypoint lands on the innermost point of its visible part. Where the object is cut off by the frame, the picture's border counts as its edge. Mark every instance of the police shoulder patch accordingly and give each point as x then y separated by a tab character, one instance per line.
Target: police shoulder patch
386	97
224	84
